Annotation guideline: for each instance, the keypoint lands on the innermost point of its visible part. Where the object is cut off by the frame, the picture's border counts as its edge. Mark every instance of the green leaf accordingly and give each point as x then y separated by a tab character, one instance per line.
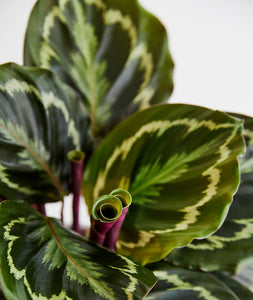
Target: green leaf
236	284
40	259
176	284
2	297
232	244
41	120
176	161
114	53
245	275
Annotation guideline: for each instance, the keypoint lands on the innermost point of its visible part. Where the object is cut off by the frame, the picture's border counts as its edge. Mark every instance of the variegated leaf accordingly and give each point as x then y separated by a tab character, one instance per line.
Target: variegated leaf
176	160
42	260
40	121
114	53
176	284
232	244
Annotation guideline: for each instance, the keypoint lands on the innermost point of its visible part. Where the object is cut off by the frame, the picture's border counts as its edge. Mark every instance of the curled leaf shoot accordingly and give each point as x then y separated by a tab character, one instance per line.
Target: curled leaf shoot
113	234
105	212
76	158
124	196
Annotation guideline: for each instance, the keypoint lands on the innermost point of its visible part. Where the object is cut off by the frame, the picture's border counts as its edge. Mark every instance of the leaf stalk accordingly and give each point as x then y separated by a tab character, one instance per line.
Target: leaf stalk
76	158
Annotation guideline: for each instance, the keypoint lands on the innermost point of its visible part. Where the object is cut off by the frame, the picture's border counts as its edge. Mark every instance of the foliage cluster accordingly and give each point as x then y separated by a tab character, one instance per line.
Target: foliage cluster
170	209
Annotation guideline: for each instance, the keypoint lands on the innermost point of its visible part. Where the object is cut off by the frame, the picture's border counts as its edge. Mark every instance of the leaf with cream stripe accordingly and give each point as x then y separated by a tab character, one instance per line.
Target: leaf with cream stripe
176	283
176	161
66	265
114	53
231	246
40	121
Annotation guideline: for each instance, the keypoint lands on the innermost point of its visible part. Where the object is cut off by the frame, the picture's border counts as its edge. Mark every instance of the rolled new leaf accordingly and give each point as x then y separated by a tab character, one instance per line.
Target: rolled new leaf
105	212
113	234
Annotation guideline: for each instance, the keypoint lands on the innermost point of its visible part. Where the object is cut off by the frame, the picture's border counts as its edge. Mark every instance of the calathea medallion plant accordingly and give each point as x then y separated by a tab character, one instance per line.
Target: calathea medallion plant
84	116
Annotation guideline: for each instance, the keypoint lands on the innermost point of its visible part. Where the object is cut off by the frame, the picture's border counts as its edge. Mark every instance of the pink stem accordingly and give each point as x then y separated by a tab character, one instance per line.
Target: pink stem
77	174
113	234
62	209
40	208
98	231
96	237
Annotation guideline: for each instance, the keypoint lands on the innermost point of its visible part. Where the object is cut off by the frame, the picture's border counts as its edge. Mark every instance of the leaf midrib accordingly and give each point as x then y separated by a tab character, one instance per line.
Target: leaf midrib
183	162
92	85
223	284
155	179
71	259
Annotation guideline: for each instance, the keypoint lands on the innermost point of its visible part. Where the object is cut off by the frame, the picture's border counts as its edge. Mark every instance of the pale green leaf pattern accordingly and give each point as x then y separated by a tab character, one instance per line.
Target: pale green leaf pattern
176	283
176	161
114	53
231	246
40	121
66	265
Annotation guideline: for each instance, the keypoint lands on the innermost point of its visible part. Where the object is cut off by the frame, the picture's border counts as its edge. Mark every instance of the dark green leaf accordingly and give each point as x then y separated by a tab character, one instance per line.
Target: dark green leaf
176	161
238	288
177	284
114	53
41	120
40	259
232	245
245	275
2	297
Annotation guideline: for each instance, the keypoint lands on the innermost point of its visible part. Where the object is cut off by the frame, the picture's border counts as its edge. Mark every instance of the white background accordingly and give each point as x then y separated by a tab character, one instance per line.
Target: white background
211	42
212	45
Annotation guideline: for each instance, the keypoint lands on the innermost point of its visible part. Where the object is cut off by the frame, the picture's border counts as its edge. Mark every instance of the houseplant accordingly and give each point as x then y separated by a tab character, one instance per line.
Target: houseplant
85	113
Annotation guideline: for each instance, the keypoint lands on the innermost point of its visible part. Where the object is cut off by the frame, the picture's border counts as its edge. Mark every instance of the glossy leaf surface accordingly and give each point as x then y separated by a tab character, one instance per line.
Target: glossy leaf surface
40	259
245	275
176	161
177	284
232	245
41	120
114	53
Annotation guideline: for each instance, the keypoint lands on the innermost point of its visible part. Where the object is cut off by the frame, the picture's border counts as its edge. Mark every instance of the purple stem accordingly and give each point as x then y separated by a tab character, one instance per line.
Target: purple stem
96	236
40	208
113	234
62	209
77	174
98	231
